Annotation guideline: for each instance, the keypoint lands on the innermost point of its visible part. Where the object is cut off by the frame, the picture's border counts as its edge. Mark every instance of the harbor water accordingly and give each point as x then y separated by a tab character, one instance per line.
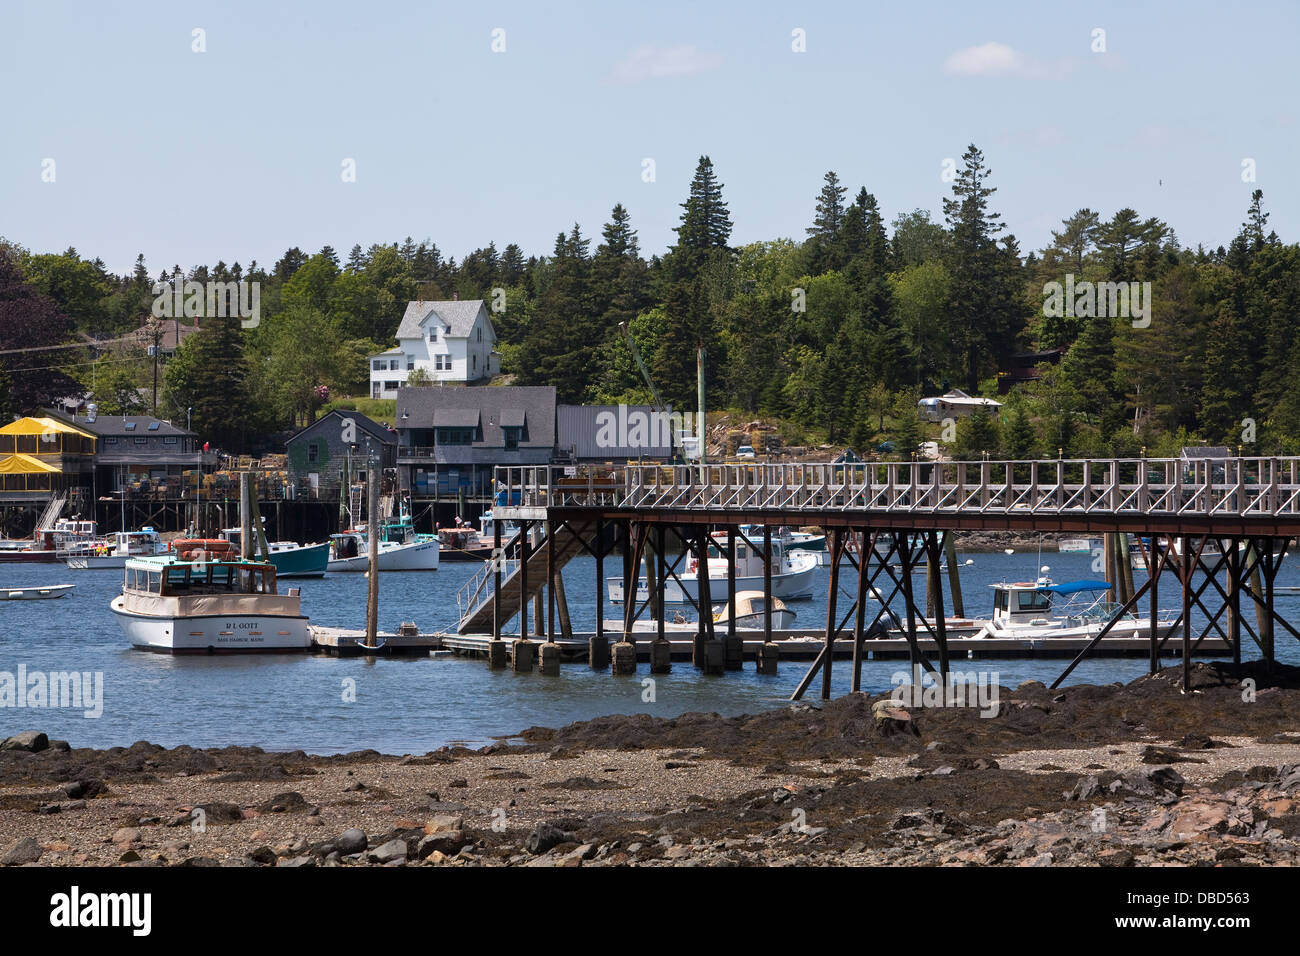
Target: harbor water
399	705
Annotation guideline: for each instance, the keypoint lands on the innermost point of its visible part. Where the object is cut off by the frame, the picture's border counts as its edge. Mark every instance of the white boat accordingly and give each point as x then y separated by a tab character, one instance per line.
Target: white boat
204	599
113	552
1030	610
400	549
43	593
793	575
750	606
1078	545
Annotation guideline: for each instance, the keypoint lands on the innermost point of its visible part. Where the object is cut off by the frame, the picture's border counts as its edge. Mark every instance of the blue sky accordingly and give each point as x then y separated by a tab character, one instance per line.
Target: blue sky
236	153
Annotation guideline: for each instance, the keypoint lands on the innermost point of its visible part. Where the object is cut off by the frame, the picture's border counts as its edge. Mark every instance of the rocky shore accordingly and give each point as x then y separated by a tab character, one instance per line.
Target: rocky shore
1115	775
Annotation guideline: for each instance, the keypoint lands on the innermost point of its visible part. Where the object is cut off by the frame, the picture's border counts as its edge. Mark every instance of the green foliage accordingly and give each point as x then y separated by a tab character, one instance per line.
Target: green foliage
836	335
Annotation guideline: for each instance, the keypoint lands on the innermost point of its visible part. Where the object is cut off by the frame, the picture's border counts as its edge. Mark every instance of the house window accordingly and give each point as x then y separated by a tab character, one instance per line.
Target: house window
433	334
474	362
393	365
140	440
312	452
511	435
480	335
410	364
454	436
442	363
379	365
110	440
169	441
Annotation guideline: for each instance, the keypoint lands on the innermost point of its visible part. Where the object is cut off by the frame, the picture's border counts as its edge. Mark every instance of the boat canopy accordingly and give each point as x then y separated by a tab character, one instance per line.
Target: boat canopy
1074	587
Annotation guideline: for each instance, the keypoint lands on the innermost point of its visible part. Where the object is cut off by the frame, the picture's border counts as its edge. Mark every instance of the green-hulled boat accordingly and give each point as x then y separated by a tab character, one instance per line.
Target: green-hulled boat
291	560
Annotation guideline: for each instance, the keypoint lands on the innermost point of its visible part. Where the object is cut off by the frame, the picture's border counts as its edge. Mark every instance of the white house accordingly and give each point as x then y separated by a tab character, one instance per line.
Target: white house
450	341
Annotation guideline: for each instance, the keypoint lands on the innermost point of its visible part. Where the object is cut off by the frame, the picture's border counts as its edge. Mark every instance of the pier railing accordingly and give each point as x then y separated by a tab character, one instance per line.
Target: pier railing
1168	487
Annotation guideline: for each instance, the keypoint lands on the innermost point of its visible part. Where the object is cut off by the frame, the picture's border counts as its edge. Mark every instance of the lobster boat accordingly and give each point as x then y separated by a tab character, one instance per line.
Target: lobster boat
203	598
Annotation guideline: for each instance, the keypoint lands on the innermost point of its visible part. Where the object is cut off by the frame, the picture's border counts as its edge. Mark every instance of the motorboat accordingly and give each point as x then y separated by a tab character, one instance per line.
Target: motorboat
400	548
1029	610
291	559
793	574
113	551
205	599
51	545
750	611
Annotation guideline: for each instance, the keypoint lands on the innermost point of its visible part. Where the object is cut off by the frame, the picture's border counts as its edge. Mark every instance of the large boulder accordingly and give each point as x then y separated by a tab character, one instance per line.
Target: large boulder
545	837
32	741
25	850
351	841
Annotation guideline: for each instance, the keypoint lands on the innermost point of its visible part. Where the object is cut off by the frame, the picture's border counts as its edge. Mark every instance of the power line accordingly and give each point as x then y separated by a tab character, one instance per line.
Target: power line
74	345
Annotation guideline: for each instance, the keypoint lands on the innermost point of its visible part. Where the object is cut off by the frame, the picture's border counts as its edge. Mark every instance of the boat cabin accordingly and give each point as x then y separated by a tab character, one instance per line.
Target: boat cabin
172	576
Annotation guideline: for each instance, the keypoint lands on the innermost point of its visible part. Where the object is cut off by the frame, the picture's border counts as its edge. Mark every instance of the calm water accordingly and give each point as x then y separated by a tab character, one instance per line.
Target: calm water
412	705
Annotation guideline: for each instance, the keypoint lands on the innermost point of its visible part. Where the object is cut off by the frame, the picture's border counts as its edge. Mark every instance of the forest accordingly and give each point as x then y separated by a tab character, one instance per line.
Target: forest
833	335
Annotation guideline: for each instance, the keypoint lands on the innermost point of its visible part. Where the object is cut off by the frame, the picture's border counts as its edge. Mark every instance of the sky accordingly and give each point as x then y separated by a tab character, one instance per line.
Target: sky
508	122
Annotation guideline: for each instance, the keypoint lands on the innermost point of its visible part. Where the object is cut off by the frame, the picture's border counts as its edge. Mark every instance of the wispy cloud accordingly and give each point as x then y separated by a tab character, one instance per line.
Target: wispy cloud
653	63
999	59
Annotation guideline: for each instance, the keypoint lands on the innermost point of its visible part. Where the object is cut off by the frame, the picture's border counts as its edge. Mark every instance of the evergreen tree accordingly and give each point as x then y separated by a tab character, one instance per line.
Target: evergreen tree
210	375
830	210
705	223
978	293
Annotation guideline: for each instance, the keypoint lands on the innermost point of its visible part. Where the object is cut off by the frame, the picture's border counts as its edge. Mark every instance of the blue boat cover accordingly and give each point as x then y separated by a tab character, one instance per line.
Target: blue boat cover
1074	587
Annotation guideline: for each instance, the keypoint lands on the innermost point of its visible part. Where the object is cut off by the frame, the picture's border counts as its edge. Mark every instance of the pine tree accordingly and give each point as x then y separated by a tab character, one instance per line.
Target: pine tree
830	210
978	297
356	259
705	223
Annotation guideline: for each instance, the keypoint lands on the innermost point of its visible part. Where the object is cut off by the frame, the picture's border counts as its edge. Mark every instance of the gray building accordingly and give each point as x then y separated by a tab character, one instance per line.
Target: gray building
452	439
337	442
613	433
134	449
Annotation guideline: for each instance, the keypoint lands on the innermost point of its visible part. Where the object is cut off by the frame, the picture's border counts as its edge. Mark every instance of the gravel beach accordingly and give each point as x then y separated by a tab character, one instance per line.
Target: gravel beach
1114	775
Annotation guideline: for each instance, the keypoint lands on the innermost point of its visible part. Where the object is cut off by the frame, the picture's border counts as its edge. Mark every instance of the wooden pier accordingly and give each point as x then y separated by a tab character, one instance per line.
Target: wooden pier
1218	529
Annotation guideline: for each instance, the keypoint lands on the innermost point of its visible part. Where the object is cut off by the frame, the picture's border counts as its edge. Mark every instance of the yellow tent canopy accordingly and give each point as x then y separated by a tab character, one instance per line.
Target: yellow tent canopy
42	426
25	465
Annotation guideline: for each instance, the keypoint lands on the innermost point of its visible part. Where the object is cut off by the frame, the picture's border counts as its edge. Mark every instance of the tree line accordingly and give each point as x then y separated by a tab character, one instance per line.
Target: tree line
835	335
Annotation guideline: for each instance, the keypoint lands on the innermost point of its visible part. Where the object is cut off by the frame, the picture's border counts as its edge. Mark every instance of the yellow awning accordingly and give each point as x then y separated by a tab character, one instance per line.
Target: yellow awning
42	426
25	465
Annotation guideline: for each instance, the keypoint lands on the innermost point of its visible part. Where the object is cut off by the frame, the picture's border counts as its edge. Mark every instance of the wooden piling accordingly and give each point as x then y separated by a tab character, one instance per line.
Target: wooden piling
372	540
954	575
598	646
860	619
837	552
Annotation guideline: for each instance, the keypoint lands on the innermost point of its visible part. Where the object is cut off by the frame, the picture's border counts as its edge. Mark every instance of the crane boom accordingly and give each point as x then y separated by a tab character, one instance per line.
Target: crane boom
645	374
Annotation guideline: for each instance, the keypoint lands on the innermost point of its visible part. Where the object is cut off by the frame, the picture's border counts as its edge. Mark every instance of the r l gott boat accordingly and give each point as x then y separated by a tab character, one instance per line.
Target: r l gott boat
205	599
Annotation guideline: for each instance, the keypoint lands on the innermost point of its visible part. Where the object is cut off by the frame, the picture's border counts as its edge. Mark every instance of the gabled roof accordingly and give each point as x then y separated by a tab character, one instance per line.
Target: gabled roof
366	424
429	407
456	314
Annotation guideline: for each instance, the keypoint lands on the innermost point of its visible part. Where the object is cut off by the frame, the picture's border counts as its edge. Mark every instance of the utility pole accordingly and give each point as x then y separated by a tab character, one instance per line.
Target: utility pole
155	333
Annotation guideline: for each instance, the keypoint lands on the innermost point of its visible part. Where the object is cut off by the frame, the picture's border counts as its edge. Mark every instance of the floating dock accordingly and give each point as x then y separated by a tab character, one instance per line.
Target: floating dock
793	645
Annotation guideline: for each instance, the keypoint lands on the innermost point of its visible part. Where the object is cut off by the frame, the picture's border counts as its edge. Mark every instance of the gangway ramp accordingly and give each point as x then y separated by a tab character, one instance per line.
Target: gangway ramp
475	598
